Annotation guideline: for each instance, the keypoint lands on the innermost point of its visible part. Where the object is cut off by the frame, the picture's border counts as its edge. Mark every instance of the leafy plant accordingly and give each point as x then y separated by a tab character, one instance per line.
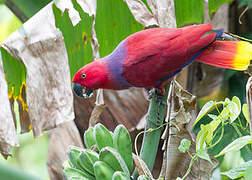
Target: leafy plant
212	133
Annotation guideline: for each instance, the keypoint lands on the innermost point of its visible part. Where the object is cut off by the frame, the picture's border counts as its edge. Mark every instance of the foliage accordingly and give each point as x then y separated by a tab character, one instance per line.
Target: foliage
239	171
213	132
108	155
189	12
214	5
192	12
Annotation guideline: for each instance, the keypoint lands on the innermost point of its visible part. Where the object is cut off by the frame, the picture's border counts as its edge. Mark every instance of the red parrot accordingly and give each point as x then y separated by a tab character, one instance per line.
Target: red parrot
150	58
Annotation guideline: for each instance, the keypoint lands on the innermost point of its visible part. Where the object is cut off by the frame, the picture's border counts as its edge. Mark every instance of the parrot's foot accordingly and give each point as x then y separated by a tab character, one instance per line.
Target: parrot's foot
158	94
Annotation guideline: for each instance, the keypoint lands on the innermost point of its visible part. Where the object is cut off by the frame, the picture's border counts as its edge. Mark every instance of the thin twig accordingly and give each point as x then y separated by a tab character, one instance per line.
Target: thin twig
243	12
166	132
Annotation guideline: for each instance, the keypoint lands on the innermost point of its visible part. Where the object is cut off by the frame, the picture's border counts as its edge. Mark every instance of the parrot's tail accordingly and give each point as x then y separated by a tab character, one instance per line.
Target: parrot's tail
227	54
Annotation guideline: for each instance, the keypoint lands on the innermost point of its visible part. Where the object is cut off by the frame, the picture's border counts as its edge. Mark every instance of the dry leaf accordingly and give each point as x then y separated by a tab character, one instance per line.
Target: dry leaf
42	51
142	168
95	115
88	6
166	13
8	136
60	138
183	104
141	13
220	19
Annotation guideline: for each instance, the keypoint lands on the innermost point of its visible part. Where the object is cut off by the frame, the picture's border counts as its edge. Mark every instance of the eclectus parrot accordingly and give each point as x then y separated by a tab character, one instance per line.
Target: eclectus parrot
152	57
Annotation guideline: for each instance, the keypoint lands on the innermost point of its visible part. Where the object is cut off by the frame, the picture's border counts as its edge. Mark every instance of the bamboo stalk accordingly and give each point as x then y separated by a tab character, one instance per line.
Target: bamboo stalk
155	119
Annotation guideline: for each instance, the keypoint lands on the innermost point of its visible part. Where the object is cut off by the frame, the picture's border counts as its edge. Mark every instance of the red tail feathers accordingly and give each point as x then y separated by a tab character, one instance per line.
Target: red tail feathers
227	54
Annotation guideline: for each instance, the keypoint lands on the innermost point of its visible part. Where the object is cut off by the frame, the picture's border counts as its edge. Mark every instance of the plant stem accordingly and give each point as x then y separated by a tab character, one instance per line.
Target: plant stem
240	135
194	158
155	119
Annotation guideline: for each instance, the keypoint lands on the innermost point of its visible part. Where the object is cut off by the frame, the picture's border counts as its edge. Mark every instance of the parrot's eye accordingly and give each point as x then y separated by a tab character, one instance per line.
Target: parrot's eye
83	75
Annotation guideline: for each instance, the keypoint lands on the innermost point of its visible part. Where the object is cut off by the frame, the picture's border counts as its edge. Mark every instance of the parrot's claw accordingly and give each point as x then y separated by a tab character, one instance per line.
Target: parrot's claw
156	93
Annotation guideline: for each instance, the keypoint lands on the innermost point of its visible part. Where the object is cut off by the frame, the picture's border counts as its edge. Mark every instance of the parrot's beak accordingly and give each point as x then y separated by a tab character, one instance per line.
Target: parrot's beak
82	91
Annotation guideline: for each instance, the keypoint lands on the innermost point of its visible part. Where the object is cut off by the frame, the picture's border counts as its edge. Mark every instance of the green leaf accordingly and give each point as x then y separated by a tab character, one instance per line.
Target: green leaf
239	171
189	12
245	112
201	138
114	22
77	38
209	106
213	116
210	128
236	100
184	145
213	6
233	111
236	145
15	75
203	155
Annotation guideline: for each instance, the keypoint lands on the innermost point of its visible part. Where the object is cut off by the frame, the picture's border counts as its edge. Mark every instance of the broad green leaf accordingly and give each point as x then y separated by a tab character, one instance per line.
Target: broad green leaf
245	112
213	5
236	145
189	12
114	22
15	75
77	39
203	155
239	171
209	106
184	145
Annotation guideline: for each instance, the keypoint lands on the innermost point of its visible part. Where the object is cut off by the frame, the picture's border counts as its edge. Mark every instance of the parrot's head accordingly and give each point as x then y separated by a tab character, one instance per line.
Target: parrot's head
90	77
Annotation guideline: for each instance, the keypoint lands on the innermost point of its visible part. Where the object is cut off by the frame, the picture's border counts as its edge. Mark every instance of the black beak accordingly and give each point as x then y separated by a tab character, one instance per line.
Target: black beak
82	91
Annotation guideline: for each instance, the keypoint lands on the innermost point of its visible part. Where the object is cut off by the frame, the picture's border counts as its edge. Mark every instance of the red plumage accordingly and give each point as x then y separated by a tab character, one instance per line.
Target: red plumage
156	53
151	57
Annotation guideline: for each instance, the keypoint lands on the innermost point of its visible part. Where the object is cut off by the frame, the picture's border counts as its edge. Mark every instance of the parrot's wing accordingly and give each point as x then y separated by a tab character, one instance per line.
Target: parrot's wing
155	54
